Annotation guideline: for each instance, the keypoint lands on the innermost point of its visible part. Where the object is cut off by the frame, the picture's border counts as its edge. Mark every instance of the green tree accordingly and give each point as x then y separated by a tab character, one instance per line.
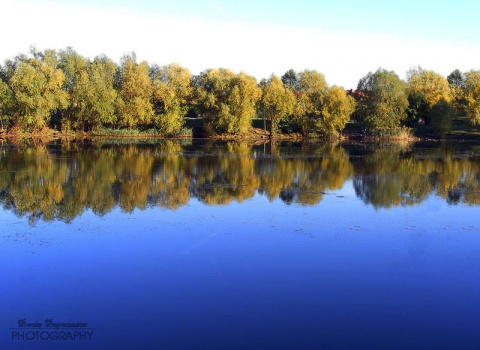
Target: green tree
441	117
77	84
383	101
276	104
312	90
91	90
6	105
9	109
335	112
37	85
291	79
472	96
212	88
226	101
10	66
134	105
100	94
456	80
171	97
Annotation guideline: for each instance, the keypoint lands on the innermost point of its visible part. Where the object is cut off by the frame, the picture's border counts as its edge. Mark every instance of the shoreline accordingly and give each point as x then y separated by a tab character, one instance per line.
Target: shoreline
255	135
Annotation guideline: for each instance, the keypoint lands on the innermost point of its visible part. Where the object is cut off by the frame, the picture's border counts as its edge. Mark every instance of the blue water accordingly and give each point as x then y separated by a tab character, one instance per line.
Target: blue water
251	275
254	274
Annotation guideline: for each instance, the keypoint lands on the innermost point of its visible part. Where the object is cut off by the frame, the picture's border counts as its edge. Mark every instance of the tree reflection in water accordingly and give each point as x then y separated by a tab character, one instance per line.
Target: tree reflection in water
54	181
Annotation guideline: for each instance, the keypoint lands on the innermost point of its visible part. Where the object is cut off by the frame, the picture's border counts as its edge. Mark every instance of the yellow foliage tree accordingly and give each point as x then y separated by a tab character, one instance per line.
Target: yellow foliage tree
226	101
171	94
425	89
429	84
134	105
277	102
37	85
335	112
312	89
472	96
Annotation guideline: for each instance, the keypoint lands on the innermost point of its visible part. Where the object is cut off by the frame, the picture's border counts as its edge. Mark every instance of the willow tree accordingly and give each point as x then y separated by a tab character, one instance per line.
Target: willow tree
226	101
6	105
242	101
91	90
99	106
312	90
383	100
335	111
170	98
77	84
37	85
277	102
134	105
472	96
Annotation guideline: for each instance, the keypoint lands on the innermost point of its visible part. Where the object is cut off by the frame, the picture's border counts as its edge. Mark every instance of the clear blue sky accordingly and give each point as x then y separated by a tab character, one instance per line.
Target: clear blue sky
343	39
440	19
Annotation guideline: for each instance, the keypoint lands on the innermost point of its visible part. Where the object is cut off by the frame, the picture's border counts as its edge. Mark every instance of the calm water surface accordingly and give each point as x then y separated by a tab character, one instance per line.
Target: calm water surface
197	245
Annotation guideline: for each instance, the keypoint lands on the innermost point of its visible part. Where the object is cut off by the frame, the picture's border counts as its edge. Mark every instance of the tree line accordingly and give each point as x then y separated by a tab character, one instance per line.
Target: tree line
68	92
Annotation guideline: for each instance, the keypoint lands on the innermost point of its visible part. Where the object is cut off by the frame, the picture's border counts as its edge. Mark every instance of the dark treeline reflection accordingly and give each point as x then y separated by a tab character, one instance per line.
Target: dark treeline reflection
61	181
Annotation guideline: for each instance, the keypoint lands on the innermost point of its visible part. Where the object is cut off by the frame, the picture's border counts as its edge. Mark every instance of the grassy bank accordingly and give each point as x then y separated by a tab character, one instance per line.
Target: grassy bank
461	129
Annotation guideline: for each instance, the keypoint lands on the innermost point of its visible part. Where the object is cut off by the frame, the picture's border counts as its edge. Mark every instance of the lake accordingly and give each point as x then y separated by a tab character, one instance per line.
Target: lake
198	244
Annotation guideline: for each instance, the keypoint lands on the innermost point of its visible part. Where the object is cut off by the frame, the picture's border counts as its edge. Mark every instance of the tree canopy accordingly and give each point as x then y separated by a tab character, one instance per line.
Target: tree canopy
226	100
472	96
134	99
335	112
277	102
171	96
383	102
66	91
37	86
426	88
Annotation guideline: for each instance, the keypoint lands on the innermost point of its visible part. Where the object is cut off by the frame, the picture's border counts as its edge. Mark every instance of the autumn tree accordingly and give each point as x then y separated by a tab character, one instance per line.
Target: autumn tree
91	90
37	86
99	108
226	101
472	96
211	93
335	112
9	110
312	90
77	84
242	102
425	89
134	105
171	97
276	104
